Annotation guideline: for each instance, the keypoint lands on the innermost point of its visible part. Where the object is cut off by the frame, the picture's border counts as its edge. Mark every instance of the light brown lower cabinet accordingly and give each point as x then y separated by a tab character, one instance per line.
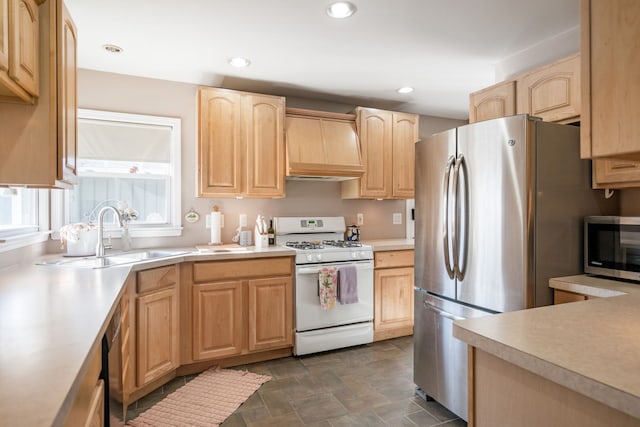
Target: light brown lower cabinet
562	297
252	313
393	294
87	408
503	394
270	313
217	319
157	337
183	318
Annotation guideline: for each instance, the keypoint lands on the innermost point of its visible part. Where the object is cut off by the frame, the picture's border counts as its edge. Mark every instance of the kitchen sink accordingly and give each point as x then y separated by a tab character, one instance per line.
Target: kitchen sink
114	259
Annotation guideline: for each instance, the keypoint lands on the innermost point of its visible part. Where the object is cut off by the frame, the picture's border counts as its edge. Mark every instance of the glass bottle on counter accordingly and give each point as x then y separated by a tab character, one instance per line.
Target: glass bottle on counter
271	233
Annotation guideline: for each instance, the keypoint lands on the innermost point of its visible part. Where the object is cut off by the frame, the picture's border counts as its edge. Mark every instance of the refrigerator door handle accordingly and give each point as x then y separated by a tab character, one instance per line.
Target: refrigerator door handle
441	312
459	238
445	212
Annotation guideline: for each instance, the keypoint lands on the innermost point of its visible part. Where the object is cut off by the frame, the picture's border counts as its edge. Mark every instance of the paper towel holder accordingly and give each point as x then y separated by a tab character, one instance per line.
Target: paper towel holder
216	235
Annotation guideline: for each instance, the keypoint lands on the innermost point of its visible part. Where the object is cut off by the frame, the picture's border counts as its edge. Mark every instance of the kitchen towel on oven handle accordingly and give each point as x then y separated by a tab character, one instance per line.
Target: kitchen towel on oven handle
347	284
328	287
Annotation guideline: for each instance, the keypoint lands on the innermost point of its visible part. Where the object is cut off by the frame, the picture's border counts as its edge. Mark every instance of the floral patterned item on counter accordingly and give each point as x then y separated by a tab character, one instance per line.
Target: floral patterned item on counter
328	287
70	232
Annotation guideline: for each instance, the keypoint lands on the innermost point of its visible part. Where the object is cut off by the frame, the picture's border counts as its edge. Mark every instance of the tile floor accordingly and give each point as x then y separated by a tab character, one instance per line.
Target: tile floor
367	385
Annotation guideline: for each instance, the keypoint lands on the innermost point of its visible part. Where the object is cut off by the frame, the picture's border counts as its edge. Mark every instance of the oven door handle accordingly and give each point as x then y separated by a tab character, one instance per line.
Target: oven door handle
316	270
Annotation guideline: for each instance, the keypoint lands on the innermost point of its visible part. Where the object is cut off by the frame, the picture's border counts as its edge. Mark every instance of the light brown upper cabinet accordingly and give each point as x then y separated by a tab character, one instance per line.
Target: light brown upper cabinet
551	92
610	46
38	143
322	144
240	144
387	140
493	102
19	50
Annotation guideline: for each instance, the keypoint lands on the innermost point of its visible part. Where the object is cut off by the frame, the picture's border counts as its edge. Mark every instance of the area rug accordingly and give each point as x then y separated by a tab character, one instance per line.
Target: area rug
205	401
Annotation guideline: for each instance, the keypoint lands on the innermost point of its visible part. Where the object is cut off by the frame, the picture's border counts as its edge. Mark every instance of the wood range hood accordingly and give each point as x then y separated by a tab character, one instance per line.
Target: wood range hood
322	145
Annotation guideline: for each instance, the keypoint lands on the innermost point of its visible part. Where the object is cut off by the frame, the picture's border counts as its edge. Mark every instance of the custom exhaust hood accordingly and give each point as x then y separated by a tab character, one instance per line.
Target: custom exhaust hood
322	145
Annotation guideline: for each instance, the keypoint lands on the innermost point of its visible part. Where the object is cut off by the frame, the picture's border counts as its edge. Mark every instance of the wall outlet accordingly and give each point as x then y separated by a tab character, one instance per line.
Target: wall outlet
359	219
397	218
243	220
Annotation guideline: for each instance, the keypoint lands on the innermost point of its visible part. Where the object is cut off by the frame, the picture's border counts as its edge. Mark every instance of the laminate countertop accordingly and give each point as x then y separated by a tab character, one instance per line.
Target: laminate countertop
591	347
52	319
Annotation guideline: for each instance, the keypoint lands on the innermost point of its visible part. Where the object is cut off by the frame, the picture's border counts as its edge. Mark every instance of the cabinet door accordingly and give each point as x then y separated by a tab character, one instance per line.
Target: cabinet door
552	92
217	319
393	302
493	102
376	132
405	136
157	335
4	35
219	143
263	129
270	313
67	98
610	42
616	173
23	44
563	297
96	408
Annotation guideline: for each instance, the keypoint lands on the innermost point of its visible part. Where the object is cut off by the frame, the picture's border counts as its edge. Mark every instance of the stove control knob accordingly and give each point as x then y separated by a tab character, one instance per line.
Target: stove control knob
319	257
362	255
354	255
310	258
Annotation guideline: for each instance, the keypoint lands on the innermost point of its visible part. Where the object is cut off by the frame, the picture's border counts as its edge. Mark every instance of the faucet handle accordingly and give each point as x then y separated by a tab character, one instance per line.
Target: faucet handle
109	244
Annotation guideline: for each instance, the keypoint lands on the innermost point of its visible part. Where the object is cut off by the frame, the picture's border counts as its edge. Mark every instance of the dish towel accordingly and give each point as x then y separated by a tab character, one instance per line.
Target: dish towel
348	284
327	287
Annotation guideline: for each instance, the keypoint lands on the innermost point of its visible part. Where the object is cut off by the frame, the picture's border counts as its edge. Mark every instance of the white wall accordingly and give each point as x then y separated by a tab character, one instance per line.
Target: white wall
115	92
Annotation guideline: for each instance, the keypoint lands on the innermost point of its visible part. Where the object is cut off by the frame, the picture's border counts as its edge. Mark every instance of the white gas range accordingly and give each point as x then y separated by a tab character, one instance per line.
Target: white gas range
319	243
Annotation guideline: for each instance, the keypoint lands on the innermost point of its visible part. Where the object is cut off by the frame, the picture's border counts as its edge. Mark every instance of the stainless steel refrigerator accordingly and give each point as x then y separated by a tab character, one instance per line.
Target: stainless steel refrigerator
499	210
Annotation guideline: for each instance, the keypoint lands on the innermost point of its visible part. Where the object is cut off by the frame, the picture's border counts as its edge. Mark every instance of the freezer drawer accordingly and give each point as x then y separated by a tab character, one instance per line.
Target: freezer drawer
440	360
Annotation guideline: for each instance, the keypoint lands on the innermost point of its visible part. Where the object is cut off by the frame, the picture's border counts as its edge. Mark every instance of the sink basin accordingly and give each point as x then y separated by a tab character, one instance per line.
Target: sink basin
114	259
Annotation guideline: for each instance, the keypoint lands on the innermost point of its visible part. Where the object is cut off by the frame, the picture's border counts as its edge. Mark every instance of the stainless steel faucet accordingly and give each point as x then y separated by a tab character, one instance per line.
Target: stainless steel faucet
100	246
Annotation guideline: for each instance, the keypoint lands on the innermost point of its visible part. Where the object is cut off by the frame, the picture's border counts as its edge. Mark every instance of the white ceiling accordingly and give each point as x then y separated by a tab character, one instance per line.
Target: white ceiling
443	48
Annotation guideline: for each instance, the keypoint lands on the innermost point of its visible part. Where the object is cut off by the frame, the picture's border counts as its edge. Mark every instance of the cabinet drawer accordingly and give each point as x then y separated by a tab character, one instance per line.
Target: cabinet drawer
225	270
157	278
389	259
562	297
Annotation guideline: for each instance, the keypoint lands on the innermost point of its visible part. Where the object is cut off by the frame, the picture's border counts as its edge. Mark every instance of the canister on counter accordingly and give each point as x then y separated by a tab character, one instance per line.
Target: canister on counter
353	233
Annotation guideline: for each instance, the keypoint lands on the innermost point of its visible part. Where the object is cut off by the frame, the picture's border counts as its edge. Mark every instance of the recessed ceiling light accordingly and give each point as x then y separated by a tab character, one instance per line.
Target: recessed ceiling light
239	62
112	48
405	89
341	9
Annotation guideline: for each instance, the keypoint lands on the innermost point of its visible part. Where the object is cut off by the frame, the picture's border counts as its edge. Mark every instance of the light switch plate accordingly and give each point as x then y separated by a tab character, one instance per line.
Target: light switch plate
397	218
359	219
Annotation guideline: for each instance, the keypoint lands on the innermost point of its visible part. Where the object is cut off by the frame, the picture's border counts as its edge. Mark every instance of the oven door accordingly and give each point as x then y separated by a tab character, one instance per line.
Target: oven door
310	316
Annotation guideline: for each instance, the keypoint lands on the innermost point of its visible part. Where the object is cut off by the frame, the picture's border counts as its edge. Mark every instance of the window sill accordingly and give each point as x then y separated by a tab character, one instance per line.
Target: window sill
20	241
116	233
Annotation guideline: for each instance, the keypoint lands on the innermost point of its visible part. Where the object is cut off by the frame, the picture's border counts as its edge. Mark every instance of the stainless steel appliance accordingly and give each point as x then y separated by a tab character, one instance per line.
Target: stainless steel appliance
499	210
612	246
319	243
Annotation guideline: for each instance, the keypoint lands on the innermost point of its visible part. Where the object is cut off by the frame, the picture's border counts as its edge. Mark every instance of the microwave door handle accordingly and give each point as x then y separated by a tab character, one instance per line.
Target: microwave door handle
445	216
460	233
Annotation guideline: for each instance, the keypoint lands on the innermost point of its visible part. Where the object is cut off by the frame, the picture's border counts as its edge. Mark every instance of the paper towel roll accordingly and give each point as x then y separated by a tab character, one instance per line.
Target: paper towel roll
216	222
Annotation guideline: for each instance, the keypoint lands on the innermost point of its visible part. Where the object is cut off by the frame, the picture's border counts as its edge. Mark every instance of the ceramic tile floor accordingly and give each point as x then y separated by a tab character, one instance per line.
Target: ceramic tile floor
367	385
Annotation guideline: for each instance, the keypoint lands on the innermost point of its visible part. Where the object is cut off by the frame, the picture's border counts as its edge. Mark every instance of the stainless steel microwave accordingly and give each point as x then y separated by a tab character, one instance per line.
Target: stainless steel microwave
612	246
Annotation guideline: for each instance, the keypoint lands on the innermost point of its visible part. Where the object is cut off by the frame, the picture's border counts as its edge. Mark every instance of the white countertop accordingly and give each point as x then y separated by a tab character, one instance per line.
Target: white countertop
52	320
390	244
592	347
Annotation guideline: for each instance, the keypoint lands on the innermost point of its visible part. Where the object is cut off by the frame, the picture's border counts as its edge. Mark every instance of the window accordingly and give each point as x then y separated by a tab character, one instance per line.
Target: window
23	217
132	160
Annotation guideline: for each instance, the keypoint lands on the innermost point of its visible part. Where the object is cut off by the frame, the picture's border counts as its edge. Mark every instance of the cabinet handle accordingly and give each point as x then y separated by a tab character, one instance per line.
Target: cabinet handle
620	165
